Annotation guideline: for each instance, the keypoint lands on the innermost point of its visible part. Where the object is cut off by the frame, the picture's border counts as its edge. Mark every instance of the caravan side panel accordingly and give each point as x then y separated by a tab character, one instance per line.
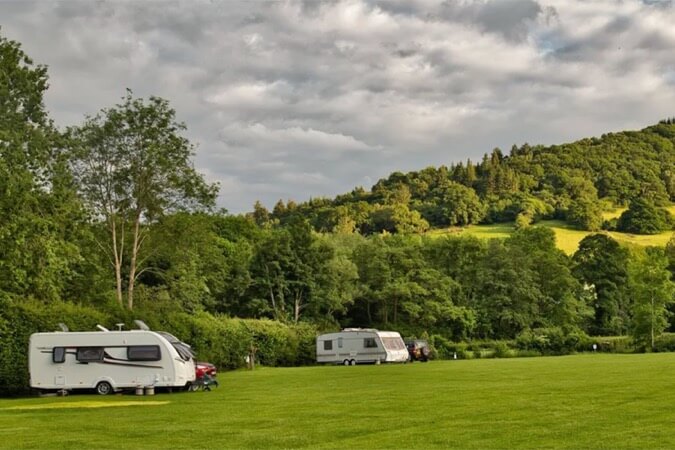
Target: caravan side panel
125	359
362	346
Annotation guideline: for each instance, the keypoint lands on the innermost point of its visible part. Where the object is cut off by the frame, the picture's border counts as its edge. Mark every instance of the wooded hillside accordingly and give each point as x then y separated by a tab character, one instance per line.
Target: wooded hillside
574	182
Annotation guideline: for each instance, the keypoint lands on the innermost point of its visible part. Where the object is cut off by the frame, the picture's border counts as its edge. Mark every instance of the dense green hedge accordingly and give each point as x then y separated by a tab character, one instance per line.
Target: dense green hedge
540	342
221	340
19	320
227	341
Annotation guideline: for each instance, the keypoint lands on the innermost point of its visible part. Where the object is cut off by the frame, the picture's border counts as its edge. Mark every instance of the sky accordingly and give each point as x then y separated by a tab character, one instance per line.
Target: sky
294	100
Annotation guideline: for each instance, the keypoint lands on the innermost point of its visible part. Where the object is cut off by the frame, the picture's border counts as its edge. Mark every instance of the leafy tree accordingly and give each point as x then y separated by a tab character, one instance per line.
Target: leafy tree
133	166
375	272
643	217
585	214
40	217
508	207
194	266
261	215
525	282
294	274
336	284
457	205
426	297
506	296
670	254
602	266
560	302
653	291
523	220
396	219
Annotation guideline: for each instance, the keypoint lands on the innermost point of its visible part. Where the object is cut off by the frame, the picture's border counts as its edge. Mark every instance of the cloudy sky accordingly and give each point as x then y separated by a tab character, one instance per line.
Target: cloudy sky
303	99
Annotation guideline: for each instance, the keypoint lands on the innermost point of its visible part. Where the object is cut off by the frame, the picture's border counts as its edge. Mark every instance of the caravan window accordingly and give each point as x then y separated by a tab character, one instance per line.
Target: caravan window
59	354
339	342
90	354
393	343
328	345
369	343
144	353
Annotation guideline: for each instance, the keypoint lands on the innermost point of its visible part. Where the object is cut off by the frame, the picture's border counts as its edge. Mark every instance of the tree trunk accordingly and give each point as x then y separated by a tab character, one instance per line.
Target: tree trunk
272	298
118	254
652	327
134	257
274	303
297	306
385	312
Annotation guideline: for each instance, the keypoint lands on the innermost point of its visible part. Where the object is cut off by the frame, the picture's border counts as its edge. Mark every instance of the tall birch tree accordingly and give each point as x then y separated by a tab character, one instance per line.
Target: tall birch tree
133	165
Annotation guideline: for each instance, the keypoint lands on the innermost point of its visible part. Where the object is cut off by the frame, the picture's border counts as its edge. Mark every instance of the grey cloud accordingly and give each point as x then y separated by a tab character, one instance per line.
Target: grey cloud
509	18
292	100
620	24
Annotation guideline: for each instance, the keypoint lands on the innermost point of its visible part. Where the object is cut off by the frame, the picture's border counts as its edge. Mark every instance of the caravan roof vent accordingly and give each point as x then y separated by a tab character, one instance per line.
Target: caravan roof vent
119	326
63	327
102	328
141	325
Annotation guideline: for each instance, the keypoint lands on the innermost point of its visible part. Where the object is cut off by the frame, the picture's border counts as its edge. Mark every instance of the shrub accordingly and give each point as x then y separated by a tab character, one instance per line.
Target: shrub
442	348
612	344
501	350
552	340
18	320
665	343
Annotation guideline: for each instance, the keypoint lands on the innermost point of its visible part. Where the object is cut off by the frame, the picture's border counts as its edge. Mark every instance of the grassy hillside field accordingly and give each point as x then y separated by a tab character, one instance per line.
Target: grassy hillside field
567	237
582	401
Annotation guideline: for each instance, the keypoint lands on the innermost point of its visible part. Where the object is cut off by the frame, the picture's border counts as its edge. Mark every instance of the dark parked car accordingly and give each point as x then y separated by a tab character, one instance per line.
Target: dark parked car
418	350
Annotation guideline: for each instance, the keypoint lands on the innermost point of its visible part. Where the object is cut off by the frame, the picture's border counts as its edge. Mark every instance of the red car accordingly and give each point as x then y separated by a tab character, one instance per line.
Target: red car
202	368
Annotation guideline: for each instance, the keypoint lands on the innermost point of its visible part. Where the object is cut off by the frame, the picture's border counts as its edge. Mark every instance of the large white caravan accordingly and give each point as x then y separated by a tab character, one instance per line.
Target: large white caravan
360	345
109	360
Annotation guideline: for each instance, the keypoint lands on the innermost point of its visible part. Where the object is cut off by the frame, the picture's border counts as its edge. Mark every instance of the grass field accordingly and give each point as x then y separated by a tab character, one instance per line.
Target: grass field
567	237
582	401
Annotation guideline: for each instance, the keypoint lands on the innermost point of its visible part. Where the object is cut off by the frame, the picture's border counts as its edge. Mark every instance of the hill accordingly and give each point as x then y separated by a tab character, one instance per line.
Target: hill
576	182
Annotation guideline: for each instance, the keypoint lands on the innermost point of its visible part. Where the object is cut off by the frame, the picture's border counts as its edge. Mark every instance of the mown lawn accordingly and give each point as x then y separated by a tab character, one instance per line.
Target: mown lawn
583	401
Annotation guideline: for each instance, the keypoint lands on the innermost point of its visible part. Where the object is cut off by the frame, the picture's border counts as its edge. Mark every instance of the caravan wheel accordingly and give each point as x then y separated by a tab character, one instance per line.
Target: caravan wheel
345	362
104	388
352	362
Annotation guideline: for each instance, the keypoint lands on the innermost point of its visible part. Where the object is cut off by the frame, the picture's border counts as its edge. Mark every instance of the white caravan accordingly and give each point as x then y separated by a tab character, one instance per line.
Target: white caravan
109	360
360	345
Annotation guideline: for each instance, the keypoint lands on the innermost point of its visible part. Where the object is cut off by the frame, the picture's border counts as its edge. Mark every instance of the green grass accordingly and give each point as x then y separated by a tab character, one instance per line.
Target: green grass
583	401
567	237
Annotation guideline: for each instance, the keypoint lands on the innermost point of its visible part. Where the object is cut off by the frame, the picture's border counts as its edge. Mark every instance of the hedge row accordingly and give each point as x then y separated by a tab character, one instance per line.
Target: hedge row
540	342
221	340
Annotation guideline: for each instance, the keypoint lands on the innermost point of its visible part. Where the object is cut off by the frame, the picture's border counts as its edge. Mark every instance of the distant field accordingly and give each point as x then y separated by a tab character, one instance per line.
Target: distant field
567	237
583	401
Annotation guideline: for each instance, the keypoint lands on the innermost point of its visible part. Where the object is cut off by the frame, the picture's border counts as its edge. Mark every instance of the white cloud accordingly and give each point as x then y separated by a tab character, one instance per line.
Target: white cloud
297	99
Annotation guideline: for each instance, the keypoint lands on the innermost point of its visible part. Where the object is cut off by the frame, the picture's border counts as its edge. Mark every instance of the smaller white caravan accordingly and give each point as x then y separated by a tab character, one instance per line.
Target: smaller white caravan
109	360
360	345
